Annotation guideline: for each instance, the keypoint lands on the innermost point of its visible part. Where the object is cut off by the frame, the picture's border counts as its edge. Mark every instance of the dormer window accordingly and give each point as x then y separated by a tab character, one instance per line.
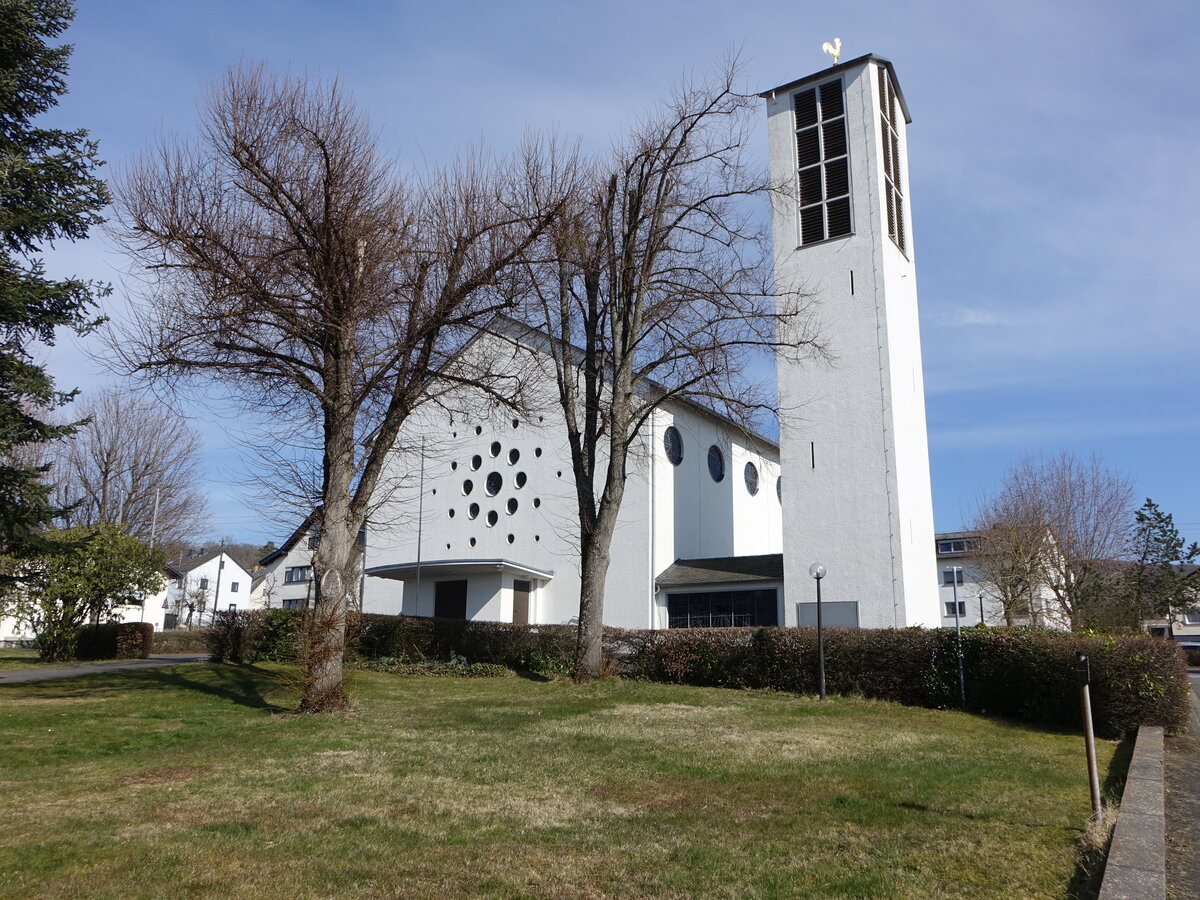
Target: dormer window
890	132
822	162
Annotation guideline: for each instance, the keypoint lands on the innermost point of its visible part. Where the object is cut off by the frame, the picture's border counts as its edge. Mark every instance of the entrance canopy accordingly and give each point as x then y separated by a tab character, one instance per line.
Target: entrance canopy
442	568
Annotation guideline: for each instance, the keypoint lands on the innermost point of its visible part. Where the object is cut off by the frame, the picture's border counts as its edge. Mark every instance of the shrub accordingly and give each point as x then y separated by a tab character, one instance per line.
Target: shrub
250	635
1018	673
115	640
180	642
1193	656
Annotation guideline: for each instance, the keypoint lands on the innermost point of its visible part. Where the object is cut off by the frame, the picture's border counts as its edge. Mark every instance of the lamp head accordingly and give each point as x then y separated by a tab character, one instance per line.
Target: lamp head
817	571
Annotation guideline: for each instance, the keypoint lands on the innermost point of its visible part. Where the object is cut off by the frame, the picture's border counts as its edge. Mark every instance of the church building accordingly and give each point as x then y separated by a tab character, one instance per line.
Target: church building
719	526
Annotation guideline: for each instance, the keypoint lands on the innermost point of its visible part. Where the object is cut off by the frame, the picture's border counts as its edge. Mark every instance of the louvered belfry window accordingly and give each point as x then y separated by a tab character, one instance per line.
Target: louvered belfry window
889	129
822	162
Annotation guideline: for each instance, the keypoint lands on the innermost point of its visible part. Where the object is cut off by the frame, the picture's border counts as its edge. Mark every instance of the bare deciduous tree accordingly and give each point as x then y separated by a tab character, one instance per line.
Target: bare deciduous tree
135	464
1085	508
654	285
296	268
1011	558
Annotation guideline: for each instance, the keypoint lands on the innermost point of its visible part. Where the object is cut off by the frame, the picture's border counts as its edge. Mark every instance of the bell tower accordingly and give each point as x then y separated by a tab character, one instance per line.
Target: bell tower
854	448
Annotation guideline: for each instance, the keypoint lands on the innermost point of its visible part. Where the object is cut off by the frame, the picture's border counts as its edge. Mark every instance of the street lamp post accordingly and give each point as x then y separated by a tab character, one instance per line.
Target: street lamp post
817	571
981	622
962	681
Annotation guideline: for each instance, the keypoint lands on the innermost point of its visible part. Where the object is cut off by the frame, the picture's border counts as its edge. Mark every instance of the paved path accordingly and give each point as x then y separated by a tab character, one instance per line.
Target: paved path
1183	804
50	673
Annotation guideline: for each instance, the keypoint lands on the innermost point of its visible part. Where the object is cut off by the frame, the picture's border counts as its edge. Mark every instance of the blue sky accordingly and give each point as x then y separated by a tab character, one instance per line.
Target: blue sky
1053	179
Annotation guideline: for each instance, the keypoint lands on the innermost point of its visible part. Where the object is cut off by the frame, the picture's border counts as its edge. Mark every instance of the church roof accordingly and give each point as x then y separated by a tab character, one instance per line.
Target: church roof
723	570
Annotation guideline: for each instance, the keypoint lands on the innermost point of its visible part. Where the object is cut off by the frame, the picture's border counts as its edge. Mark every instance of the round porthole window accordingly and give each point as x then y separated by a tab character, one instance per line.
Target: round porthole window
452	514
537	451
468	486
473	511
751	478
494	482
516	423
472	542
716	463
513	455
779	488
476	462
492	518
453	466
537	501
494	450
478	429
511	538
511	506
520	480
673	444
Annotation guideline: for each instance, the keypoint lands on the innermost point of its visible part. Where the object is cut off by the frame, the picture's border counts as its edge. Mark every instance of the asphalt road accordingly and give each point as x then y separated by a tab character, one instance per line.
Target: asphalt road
50	673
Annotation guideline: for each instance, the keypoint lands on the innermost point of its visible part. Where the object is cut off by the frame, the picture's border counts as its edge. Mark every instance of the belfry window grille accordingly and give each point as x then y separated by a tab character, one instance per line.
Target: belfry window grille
890	132
822	162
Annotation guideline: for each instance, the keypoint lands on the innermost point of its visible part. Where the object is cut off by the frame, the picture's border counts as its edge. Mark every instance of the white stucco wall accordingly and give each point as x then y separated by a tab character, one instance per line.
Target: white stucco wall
857	494
667	512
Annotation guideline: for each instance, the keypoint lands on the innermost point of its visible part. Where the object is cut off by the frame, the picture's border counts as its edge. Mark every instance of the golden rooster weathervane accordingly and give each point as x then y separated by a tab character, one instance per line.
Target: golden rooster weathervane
834	50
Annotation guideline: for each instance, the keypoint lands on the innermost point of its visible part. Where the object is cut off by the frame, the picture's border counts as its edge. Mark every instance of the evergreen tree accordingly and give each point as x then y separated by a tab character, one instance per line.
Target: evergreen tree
1164	579
48	192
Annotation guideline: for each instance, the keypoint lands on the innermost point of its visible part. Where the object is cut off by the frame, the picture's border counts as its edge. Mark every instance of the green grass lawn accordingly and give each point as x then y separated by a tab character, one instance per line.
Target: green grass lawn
195	781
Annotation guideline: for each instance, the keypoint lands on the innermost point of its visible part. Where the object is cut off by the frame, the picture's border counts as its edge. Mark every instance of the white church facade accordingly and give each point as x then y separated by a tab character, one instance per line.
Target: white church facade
719	525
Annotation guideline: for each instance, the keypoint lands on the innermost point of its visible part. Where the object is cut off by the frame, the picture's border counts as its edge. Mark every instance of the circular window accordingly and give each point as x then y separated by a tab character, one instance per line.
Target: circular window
537	537
673	444
537	451
751	478
537	501
453	466
478	429
716	463
472	542
511	538
494	450
779	488
468	486
452	514
492	518
516	423
511	506
513	455
473	511
476	462
494	482
520	480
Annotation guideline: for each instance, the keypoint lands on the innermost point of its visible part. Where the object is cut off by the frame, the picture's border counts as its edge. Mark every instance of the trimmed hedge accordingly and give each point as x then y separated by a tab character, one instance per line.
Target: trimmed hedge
180	641
1018	673
115	640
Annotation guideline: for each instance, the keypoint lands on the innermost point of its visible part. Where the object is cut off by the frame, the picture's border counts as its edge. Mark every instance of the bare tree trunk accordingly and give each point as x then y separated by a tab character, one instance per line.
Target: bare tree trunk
595	557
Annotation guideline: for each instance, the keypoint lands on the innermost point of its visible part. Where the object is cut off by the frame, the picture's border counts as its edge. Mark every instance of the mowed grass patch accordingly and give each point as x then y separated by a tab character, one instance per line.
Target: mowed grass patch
198	781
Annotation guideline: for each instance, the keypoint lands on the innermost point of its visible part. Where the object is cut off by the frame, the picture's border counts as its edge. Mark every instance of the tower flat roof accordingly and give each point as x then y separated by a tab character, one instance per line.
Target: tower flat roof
833	70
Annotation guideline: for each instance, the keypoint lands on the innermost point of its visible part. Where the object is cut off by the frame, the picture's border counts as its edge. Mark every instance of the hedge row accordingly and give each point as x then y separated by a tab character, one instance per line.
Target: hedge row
117	640
1017	673
180	641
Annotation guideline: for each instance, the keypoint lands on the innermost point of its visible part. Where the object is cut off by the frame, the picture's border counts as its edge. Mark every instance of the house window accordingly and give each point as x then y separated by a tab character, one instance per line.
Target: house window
297	574
292	604
1192	616
950	576
822	162
890	132
722	609
751	475
673	444
233	607
963	546
204	584
233	586
962	608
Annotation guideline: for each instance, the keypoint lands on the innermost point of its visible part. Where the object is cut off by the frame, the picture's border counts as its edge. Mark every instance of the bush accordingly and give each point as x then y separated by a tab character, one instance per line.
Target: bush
1193	656
251	635
115	640
1017	673
180	641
